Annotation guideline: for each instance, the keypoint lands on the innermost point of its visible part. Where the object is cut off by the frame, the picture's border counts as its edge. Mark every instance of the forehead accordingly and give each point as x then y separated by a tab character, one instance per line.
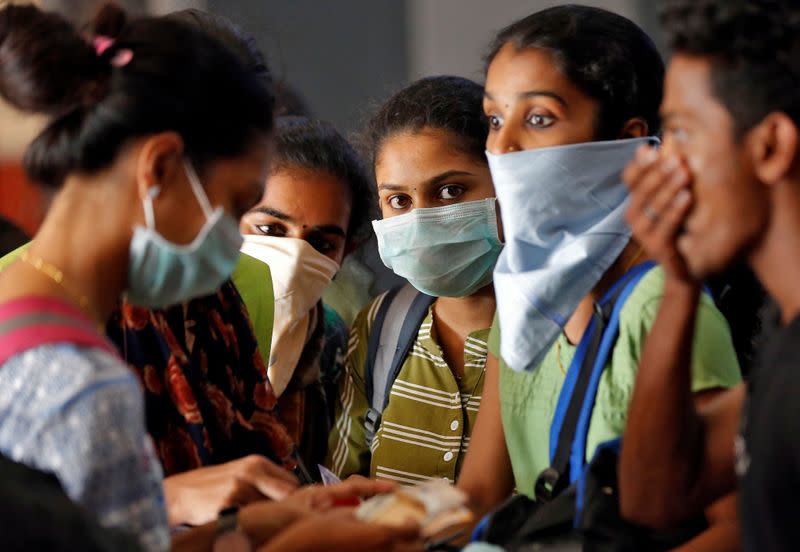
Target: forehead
514	71
412	157
312	196
688	89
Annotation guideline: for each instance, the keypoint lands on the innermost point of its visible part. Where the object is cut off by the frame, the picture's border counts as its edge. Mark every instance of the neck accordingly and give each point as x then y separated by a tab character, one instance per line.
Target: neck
468	314
89	249
576	325
774	257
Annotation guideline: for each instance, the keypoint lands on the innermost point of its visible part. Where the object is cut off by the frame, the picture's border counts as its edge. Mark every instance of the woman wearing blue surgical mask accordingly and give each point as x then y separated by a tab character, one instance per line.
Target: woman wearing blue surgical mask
571	92
146	207
408	418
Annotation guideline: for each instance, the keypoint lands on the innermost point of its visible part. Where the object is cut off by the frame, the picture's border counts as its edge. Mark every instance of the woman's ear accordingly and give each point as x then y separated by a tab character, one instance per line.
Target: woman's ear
634	128
159	161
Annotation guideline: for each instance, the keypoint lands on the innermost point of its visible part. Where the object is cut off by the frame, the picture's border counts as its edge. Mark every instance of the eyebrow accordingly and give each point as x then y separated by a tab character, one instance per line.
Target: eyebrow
433	181
280	215
532	94
330	229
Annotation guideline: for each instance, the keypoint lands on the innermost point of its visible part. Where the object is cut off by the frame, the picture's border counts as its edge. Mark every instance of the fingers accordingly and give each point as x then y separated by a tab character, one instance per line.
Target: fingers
652	180
270	480
365	488
659	204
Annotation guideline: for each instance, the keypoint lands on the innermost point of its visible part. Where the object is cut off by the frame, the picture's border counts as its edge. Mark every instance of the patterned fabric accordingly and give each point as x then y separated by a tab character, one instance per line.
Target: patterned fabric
207	396
78	412
426	426
304	405
528	399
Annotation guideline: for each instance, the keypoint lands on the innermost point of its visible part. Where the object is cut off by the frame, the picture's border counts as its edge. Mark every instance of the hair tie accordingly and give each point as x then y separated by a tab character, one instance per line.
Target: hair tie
102	43
121	58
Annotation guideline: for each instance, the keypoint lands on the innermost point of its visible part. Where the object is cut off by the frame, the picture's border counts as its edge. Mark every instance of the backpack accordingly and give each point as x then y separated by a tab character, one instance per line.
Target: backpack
577	505
394	331
34	321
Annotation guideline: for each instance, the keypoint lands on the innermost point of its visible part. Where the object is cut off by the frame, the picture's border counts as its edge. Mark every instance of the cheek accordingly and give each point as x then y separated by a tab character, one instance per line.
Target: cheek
728	217
337	255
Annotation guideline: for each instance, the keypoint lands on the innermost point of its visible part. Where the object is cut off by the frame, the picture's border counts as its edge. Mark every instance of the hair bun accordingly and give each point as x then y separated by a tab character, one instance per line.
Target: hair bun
45	65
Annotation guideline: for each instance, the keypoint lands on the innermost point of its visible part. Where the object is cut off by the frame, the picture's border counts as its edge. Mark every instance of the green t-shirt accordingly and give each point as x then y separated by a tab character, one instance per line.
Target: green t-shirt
13	256
253	280
528	399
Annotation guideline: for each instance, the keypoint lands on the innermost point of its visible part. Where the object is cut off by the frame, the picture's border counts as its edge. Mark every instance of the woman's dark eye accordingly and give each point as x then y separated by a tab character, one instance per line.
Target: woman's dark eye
321	245
399	202
269	230
494	122
541	121
450	192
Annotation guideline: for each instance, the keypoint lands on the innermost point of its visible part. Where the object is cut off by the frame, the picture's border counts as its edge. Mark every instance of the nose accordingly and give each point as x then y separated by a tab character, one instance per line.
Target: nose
503	140
423	202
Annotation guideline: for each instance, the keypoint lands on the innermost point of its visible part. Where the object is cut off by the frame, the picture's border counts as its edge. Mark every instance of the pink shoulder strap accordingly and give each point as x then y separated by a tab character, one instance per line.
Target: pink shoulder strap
34	321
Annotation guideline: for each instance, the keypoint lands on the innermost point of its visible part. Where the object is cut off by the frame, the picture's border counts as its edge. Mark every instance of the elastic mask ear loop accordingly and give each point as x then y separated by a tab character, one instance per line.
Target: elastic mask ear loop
197	188
147	205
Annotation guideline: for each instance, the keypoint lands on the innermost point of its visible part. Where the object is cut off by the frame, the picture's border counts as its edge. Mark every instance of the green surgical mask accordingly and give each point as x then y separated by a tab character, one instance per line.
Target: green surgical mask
443	251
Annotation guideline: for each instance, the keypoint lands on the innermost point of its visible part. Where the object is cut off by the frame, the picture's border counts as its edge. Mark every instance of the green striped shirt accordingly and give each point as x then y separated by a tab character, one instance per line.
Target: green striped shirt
425	429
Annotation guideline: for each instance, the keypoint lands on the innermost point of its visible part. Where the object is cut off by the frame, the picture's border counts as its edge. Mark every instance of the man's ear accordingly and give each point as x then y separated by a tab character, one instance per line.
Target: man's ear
634	128
773	147
159	162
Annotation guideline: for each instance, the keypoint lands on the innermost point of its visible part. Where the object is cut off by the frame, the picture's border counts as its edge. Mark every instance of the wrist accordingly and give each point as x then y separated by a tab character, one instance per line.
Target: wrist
681	289
261	521
229	534
172	501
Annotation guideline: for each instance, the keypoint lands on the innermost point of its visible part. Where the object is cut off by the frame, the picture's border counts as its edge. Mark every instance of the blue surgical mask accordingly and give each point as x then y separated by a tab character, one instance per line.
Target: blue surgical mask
443	251
563	218
161	273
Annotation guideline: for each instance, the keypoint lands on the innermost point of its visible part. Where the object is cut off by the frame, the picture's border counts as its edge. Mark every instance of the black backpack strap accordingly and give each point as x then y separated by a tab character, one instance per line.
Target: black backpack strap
391	338
556	478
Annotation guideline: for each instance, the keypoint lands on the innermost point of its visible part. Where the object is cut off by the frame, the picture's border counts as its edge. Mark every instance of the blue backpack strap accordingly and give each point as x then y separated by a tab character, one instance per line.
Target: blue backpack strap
570	422
609	339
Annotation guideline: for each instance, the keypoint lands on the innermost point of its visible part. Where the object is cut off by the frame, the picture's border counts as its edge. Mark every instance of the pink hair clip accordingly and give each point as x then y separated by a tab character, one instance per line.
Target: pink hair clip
102	43
121	58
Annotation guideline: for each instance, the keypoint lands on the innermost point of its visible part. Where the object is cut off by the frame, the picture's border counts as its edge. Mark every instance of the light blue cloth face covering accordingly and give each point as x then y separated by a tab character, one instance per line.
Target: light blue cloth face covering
563	219
442	251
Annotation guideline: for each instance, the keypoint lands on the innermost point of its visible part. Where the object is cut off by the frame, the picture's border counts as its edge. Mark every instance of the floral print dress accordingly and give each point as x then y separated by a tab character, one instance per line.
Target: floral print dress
207	396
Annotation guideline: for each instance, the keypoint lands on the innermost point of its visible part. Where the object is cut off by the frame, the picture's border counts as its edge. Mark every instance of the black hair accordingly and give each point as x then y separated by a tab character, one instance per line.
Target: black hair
754	48
310	144
11	237
452	104
742	300
604	54
179	79
289	102
241	43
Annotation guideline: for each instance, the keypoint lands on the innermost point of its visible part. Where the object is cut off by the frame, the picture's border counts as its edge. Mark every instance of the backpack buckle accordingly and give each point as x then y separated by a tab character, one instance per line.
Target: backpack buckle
372	421
545	487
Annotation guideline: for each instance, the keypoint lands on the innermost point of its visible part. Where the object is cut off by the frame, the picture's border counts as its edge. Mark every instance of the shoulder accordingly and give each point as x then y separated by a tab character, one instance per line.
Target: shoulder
60	377
646	293
366	318
645	298
253	281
